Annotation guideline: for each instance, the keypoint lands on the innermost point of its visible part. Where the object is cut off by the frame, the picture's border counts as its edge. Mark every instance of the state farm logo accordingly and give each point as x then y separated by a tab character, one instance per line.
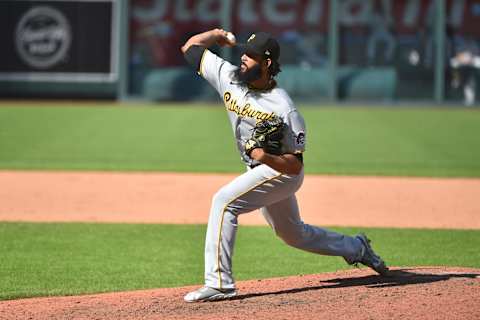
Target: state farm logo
43	37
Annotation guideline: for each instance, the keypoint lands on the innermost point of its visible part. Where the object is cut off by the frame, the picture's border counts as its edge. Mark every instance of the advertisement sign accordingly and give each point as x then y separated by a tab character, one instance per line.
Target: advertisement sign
59	40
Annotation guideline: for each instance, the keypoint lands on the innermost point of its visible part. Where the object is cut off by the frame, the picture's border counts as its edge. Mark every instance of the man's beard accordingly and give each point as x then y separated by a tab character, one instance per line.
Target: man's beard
250	75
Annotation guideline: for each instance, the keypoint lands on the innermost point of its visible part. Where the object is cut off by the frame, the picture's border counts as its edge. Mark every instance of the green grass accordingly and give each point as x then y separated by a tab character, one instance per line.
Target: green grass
69	259
349	141
173	138
390	141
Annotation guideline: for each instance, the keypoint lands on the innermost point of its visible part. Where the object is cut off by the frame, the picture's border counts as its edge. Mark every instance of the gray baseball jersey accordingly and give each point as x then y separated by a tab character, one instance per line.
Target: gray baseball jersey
246	106
261	187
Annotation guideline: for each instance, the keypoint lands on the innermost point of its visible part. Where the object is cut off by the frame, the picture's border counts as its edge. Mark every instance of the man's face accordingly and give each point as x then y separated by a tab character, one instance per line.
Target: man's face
250	68
248	61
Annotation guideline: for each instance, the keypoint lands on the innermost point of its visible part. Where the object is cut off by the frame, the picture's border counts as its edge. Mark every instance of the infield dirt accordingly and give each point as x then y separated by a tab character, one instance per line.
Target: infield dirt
409	293
185	198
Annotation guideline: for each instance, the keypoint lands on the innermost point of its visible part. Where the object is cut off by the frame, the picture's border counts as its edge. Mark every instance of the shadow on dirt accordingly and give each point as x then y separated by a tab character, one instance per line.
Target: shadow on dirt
399	277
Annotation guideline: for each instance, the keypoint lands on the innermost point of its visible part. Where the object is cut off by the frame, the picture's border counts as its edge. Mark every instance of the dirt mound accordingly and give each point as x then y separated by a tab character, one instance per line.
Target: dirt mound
409	293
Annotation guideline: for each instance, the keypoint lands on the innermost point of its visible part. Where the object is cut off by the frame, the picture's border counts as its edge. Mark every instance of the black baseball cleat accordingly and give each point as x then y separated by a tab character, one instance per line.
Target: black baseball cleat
370	258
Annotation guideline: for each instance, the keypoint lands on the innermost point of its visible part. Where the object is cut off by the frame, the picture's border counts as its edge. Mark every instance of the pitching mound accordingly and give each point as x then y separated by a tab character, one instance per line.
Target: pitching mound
409	293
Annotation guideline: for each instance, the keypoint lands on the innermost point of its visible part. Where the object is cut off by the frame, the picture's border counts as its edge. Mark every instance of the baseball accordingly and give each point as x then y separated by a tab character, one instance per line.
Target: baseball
231	37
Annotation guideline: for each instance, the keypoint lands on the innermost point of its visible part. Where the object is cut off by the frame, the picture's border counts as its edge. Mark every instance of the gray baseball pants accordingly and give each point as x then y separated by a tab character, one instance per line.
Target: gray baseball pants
274	194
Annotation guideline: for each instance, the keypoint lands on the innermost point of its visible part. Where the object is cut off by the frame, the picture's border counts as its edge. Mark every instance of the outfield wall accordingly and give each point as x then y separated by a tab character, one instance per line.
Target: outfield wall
379	50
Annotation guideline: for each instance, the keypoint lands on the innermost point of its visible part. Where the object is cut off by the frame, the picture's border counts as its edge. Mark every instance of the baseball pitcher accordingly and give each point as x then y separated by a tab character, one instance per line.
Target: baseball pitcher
270	135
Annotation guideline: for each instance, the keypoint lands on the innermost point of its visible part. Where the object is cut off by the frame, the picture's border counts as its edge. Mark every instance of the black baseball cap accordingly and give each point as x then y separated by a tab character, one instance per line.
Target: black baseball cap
262	44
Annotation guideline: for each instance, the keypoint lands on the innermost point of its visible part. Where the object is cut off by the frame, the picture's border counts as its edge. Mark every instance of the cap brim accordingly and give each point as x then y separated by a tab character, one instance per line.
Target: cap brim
246	48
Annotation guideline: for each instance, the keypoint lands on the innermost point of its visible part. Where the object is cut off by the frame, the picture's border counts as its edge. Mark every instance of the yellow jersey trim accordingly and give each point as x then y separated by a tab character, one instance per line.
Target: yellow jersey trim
201	63
221	224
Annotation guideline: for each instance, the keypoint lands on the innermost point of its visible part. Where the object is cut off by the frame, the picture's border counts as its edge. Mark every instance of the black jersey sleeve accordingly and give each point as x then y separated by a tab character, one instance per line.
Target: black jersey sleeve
193	55
299	156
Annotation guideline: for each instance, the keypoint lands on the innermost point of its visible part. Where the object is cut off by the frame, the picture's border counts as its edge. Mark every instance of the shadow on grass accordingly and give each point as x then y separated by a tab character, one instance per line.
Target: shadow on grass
401	277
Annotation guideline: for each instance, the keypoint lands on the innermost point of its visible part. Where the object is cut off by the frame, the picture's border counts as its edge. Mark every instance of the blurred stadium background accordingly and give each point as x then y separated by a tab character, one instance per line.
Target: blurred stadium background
346	51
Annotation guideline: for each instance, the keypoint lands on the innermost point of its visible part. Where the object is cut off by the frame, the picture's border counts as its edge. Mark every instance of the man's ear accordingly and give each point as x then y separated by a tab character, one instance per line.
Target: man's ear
268	62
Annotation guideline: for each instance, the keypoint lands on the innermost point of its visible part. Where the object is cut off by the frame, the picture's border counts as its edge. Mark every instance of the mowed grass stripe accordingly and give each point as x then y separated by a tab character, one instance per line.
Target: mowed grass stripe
115	138
44	259
198	138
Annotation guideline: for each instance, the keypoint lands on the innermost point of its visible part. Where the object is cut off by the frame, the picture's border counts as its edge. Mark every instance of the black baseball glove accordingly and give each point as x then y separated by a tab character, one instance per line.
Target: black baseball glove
267	135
